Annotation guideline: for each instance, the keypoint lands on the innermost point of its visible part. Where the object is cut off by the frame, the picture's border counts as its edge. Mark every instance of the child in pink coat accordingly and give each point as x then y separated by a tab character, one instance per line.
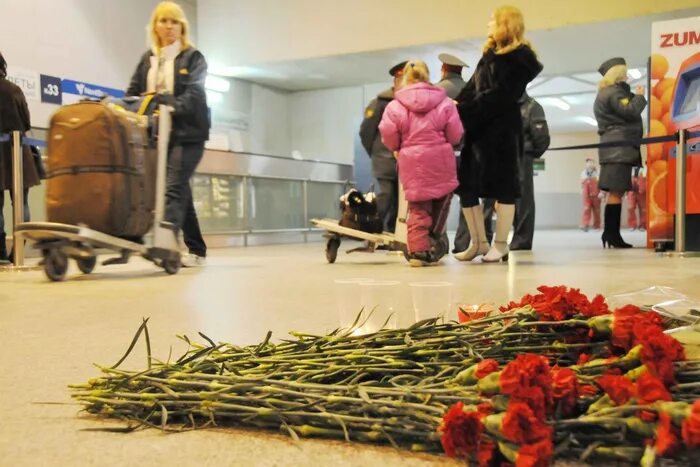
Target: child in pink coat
423	125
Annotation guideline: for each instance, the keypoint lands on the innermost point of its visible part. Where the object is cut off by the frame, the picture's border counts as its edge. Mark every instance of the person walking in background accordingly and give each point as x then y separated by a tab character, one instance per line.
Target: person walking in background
383	162
637	200
619	115
422	124
591	196
176	70
490	112
14	116
535	142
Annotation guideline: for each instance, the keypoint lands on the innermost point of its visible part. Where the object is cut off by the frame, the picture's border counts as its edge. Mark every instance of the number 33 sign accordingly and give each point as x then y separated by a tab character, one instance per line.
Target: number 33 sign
51	90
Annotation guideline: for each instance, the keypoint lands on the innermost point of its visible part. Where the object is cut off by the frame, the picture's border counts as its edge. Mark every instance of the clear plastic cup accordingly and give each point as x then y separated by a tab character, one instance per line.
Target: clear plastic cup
348	300
381	301
431	299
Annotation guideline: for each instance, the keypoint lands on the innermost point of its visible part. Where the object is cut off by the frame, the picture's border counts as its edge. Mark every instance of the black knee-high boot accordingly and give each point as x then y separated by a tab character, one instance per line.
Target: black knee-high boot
611	233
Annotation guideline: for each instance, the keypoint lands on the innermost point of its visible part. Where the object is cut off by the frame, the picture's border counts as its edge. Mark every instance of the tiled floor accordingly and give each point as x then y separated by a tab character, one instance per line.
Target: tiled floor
51	333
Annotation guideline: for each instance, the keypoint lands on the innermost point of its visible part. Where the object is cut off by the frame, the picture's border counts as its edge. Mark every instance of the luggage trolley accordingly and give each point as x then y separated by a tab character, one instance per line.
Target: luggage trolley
397	240
60	242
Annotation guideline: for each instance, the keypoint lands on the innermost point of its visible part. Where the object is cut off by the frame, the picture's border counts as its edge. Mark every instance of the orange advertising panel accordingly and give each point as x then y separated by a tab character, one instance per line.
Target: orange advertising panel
674	102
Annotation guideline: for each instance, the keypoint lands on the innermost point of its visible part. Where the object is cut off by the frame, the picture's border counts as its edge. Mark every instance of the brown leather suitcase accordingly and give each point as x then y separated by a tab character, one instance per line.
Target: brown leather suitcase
101	169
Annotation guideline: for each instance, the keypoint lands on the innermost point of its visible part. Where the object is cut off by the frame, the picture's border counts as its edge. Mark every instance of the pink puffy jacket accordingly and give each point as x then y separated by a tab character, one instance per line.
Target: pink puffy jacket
422	123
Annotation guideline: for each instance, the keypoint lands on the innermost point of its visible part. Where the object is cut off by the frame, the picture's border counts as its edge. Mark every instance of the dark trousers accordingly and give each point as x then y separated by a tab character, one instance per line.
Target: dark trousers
179	206
388	202
524	222
2	204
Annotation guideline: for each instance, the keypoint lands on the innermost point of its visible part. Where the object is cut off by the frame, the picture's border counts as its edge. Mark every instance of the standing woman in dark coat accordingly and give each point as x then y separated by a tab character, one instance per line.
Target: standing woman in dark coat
175	70
493	131
14	116
619	116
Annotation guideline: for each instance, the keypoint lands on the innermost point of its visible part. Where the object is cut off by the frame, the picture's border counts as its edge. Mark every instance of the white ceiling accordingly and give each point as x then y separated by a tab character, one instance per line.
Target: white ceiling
570	56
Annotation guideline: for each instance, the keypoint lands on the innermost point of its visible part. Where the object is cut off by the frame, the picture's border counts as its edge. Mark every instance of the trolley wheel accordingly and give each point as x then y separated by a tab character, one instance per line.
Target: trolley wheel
332	249
55	265
86	265
172	266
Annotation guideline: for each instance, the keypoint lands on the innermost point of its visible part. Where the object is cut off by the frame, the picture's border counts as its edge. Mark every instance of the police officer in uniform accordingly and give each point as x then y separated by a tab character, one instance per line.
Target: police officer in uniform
452	81
536	141
383	162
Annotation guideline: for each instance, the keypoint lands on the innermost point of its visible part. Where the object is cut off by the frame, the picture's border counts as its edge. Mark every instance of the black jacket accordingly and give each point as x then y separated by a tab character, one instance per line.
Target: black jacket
191	115
619	116
493	131
14	116
383	162
535	129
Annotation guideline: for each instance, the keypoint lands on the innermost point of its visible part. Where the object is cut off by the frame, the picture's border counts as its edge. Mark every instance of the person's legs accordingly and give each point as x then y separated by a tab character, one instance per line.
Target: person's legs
489	205
595	208
462	237
613	212
632	210
387	202
192	235
587	208
182	162
419	222
642	203
3	240
524	226
179	207
505	212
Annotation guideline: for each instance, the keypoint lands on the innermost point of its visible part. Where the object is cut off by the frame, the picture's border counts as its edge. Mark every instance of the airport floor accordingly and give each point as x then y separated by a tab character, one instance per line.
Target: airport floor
52	333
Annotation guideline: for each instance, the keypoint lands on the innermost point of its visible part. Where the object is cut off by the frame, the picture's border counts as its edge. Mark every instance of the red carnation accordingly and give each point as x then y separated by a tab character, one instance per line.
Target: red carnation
647	416
486	367
461	431
659	351
565	388
528	379
691	427
623	325
651	389
618	388
588	390
486	452
538	454
521	425
667	441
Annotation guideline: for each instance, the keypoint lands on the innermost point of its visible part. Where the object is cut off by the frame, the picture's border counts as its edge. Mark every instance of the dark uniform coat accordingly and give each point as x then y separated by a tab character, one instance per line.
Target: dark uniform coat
14	115
383	162
619	116
493	135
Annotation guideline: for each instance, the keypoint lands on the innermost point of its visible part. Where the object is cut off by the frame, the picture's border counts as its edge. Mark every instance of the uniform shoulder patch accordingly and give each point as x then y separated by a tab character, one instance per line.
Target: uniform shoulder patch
625	101
369	113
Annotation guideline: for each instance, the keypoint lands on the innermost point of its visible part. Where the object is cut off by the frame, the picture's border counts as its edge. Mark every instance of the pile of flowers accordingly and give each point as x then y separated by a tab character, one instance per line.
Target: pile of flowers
554	375
623	391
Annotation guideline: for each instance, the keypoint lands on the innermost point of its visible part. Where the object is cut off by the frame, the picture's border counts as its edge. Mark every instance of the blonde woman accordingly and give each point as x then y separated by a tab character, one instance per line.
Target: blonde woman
619	116
176	71
422	124
490	112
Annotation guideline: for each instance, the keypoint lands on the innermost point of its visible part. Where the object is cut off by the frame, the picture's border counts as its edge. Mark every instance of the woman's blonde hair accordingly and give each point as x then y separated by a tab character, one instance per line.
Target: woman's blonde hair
510	31
614	75
415	71
169	10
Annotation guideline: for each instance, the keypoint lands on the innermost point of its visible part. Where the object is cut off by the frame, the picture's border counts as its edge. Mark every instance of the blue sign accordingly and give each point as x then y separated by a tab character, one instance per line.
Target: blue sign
87	90
51	89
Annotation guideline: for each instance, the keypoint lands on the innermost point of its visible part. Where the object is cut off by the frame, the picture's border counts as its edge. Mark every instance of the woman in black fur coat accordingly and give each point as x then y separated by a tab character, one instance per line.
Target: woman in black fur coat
490	113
